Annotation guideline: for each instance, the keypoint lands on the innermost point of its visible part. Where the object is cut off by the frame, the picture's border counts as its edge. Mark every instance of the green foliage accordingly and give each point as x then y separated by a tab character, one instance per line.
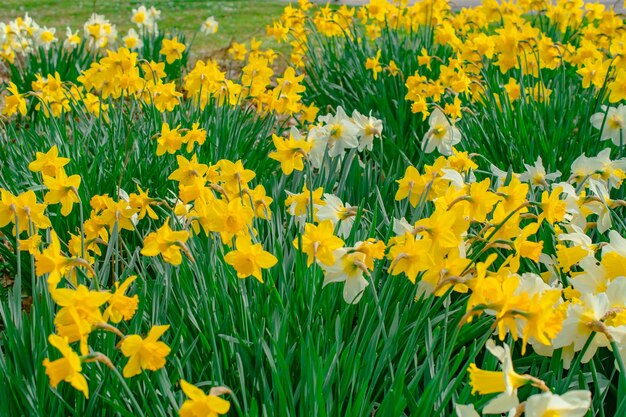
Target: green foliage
505	133
513	133
57	59
336	76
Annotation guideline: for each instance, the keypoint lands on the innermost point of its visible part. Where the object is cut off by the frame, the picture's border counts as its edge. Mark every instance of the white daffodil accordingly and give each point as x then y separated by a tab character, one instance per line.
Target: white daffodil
454	177
349	267
536	174
336	211
573	204
601	208
299	218
593	279
612	171
341	132
24	25
531	284
616	293
500	175
612	121
141	17
578	325
571	404
72	39
369	128
505	382
442	134
579	238
465	410
503	353
99	31
123	195
617	244
582	168
318	135
44	37
154	13
132	40
553	274
402	227
600	167
209	26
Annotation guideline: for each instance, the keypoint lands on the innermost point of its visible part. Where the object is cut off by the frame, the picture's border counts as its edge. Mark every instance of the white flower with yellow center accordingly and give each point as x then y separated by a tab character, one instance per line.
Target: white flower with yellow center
505	382
318	135
583	319
341	132
402	227
601	206
582	168
612	121
536	174
593	278
141	17
570	404
501	176
369	128
573	204
99	31
154	13
72	39
349	267
442	134
337	212
613	172
579	238
132	40
209	26
616	244
44	37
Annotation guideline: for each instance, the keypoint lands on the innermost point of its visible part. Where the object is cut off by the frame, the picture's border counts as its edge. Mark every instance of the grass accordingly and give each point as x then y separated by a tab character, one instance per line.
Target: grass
238	19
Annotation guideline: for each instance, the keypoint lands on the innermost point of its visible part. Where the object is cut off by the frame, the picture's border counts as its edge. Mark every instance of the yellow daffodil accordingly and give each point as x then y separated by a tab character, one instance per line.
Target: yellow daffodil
68	368
290	152
201	405
145	354
319	243
62	189
249	258
48	163
167	243
172	49
121	307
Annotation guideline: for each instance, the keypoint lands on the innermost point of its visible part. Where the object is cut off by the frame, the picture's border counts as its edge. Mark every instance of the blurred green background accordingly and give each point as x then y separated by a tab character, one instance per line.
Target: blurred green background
238	19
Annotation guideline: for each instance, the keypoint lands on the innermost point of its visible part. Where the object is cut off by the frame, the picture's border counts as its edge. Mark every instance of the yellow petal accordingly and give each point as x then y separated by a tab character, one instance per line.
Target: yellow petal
192	391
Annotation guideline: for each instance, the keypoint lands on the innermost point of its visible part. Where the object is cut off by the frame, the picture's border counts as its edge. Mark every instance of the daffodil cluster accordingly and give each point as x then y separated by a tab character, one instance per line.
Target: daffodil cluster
532	254
506	383
587	40
509	222
73	276
121	75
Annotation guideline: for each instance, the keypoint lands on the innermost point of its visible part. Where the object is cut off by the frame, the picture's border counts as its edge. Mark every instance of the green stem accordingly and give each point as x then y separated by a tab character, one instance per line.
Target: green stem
621	388
618	359
574	368
17	289
132	398
382	321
